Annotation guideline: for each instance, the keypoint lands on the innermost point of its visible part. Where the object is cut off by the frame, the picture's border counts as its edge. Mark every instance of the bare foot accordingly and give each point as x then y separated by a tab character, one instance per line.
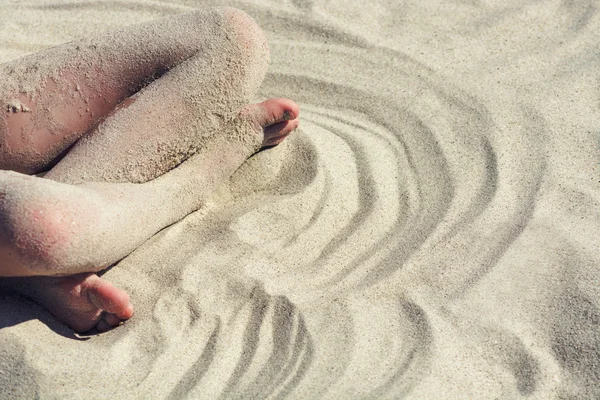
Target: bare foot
82	301
276	118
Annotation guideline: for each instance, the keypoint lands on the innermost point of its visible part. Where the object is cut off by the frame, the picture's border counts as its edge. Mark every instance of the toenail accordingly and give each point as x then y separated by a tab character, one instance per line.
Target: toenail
287	115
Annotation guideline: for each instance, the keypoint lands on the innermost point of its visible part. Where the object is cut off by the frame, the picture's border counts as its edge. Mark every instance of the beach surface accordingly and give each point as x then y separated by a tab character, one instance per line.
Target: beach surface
431	231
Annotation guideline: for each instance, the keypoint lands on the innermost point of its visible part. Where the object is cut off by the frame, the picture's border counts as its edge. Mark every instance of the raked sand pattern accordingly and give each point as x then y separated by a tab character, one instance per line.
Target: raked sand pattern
431	231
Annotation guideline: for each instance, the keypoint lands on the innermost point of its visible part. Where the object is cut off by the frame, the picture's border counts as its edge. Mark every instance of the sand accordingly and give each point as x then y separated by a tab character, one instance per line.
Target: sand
431	231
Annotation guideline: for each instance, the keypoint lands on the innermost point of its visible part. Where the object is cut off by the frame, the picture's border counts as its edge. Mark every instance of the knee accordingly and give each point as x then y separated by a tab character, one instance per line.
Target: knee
237	49
35	237
235	25
36	230
246	33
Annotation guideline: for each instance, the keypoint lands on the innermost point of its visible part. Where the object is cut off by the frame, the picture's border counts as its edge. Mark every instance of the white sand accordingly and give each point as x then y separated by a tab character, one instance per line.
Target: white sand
431	231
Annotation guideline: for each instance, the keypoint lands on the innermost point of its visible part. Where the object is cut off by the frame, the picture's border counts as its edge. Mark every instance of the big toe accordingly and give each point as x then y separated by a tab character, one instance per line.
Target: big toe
276	110
109	298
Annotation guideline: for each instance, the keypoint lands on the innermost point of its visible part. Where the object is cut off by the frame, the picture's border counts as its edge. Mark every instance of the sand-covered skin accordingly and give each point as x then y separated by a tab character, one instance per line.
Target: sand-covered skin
210	64
431	230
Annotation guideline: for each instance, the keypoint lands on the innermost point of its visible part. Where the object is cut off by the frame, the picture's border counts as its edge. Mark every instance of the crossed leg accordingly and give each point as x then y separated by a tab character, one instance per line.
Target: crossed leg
122	157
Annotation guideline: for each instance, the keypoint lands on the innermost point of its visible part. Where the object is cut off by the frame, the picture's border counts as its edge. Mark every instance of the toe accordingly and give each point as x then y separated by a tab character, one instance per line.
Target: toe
275	110
103	326
112	320
109	298
126	313
277	118
276	133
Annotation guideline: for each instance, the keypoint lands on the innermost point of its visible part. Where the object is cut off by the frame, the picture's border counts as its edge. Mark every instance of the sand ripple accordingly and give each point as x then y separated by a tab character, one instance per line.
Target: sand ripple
432	229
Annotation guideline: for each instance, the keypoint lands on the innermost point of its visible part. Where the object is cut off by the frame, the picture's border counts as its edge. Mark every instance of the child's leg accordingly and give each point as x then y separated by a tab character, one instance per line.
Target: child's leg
53	228
182	112
49	100
190	110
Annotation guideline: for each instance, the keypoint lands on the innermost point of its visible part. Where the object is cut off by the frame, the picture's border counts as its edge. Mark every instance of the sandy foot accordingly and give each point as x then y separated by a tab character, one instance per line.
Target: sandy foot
82	301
